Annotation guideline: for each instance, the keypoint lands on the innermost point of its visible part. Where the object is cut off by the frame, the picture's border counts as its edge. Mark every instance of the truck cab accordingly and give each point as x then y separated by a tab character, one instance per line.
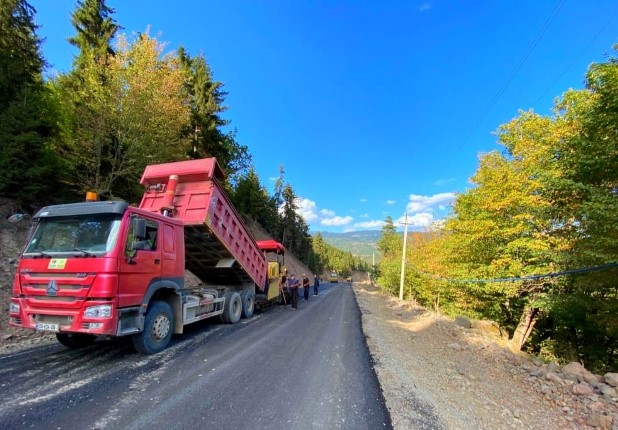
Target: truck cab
88	268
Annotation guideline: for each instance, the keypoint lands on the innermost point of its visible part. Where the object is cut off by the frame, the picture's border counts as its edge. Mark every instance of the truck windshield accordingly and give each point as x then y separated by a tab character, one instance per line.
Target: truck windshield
82	235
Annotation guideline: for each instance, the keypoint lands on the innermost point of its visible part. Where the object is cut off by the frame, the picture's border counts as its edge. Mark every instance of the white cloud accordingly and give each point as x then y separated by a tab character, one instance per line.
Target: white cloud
417	203
327	213
390	202
364	216
307	209
369	224
363	200
336	221
423	220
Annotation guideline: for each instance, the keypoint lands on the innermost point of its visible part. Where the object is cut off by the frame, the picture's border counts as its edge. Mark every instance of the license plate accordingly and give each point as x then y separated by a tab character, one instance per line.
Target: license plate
47	327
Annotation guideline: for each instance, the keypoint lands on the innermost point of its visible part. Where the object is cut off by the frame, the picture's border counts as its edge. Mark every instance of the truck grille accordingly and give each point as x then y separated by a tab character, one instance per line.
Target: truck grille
65	290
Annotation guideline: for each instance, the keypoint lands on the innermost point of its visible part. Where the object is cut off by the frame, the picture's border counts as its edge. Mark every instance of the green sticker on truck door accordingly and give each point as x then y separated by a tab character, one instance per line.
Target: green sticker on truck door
57	263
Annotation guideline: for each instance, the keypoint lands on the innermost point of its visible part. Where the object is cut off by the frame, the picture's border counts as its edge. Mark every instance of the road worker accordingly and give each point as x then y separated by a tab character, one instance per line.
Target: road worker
305	287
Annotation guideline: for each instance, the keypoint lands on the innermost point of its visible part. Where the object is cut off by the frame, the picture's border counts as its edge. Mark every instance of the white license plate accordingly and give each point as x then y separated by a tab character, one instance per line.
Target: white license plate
47	327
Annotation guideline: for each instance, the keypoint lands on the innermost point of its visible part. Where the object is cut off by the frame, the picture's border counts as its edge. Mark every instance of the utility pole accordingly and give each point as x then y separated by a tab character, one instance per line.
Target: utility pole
403	256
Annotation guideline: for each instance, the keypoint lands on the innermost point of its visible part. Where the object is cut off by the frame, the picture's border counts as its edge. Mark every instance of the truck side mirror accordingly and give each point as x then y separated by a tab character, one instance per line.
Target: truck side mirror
136	239
139	229
139	245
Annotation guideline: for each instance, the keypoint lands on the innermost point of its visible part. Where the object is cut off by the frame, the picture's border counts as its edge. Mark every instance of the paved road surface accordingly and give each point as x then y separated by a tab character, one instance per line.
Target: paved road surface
283	369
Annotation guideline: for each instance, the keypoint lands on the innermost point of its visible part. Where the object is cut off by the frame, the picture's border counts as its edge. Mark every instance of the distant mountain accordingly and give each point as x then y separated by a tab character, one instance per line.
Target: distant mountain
361	243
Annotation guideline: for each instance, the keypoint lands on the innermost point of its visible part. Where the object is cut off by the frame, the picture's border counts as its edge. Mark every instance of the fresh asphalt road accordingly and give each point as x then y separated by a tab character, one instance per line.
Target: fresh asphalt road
282	369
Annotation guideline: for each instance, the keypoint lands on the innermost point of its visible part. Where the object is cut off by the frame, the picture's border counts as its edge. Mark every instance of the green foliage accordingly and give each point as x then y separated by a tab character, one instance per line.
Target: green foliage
390	242
545	204
129	113
21	63
251	199
331	258
28	164
119	109
205	97
95	31
281	221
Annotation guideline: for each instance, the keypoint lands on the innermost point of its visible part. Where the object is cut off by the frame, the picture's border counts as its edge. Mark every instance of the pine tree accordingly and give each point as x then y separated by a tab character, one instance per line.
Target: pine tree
206	97
21	63
28	165
251	199
95	31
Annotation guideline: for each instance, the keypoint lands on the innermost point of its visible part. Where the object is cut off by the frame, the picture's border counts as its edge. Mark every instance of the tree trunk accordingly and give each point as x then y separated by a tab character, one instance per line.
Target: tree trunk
526	323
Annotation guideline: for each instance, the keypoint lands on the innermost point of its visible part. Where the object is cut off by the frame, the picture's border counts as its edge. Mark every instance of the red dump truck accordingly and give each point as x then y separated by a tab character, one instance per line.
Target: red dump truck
107	268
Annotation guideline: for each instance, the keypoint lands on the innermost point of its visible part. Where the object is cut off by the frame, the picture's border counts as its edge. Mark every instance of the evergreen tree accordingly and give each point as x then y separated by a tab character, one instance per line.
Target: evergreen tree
289	235
28	165
279	186
206	97
389	269
390	242
21	63
95	31
251	199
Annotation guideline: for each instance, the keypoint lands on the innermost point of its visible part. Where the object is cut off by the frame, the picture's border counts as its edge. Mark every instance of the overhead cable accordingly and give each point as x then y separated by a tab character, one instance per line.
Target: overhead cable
525	278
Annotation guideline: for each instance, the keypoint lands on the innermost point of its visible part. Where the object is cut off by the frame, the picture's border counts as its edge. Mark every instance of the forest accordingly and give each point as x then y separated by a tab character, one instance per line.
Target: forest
124	104
533	244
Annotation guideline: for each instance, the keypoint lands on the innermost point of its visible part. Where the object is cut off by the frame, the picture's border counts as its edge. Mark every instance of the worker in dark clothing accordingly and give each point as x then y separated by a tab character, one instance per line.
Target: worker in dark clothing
283	287
316	284
293	285
305	287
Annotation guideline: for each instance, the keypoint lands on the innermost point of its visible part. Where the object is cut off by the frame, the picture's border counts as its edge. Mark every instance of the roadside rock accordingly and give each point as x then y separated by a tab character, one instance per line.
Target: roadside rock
463	321
611	379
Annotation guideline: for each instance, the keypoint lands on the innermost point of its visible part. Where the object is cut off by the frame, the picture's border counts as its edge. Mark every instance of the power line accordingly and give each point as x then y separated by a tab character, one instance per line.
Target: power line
611	18
525	278
511	76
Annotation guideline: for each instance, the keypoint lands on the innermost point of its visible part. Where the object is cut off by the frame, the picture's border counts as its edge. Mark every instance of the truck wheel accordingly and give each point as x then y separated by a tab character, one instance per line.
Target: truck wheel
75	340
233	308
248	303
158	328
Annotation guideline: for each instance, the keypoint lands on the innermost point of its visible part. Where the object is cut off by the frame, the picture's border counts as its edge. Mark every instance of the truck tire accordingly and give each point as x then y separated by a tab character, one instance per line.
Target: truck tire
75	340
233	308
248	303
158	329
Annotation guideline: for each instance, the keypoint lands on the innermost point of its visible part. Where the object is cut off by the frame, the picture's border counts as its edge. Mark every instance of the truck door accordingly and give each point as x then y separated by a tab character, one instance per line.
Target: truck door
141	263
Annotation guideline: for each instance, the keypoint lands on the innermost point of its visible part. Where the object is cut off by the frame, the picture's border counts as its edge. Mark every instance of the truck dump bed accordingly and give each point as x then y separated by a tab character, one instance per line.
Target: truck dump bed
218	246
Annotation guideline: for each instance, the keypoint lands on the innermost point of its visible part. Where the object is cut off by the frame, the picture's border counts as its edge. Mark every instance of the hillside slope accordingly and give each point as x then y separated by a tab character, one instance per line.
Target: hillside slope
363	244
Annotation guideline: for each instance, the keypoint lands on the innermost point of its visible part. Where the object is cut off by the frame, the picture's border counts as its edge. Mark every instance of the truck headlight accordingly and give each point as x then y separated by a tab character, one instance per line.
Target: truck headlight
14	308
100	311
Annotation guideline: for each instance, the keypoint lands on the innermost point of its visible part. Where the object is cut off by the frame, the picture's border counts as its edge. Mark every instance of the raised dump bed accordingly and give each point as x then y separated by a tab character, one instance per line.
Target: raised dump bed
219	249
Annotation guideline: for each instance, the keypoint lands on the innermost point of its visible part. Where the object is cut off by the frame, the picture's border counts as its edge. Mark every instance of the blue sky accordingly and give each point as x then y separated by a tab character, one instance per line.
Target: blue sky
374	108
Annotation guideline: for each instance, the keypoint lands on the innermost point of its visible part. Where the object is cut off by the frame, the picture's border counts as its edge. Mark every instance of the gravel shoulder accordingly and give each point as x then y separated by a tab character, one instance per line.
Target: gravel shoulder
469	379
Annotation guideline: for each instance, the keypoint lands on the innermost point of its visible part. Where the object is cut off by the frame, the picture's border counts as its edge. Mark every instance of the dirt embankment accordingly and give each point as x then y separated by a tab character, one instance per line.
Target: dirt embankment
12	240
